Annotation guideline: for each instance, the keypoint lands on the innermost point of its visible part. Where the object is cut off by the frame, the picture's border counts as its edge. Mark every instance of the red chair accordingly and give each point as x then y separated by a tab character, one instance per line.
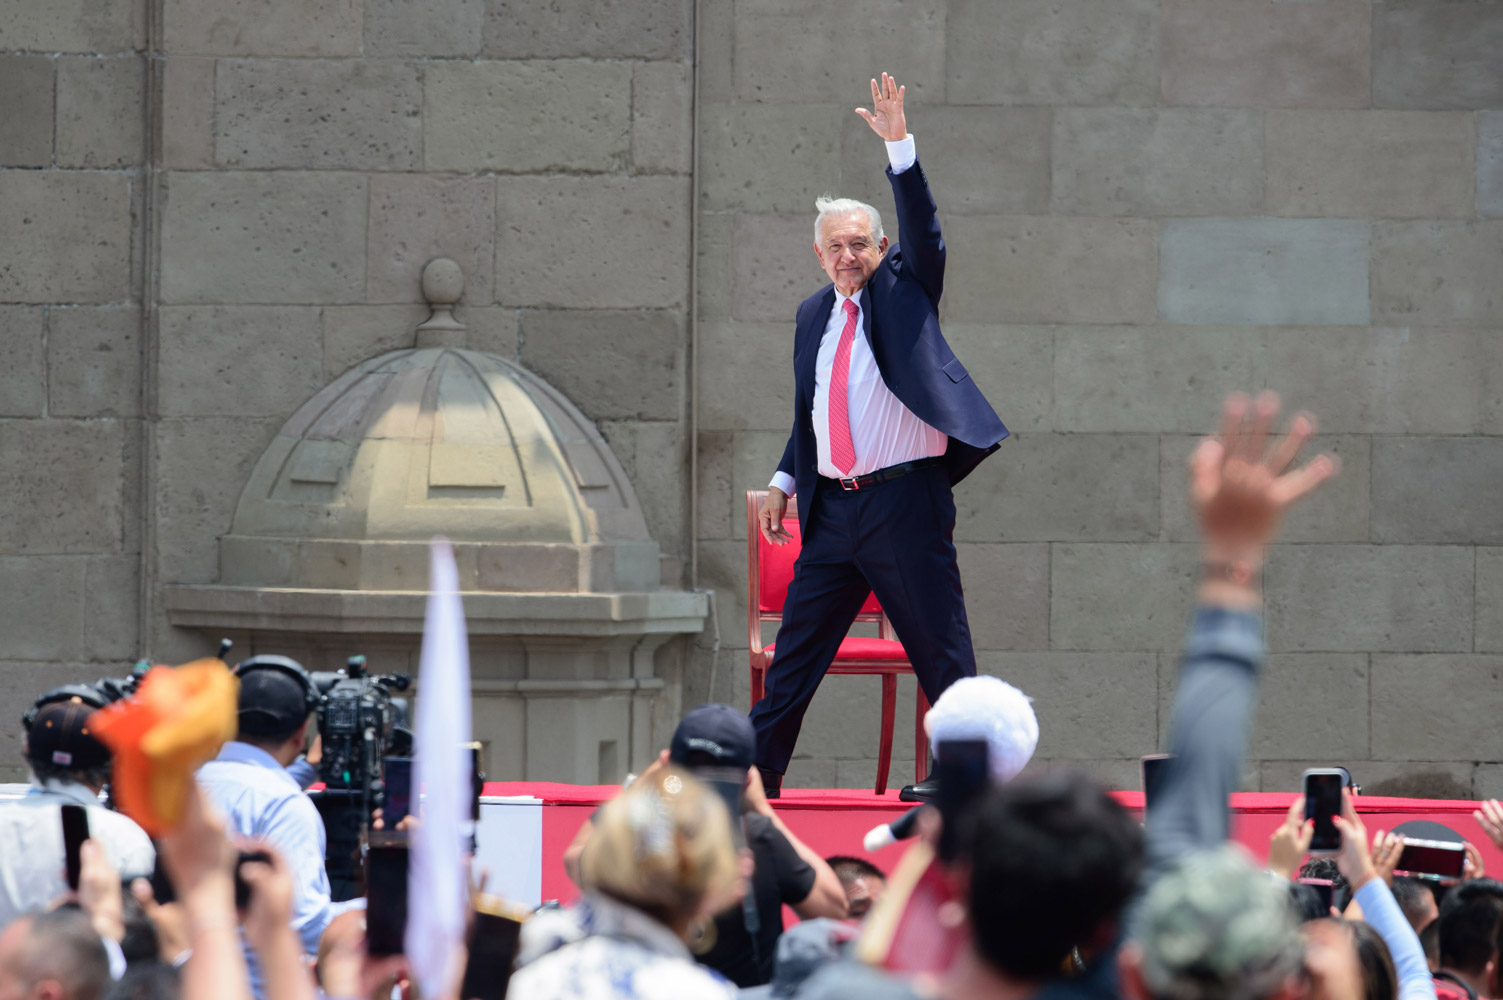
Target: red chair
769	570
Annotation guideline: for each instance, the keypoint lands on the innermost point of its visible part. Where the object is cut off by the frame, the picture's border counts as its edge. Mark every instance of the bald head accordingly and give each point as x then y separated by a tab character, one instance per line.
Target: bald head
53	956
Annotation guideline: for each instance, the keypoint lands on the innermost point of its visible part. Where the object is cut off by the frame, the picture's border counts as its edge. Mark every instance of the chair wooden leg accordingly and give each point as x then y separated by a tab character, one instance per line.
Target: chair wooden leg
889	711
758	679
920	741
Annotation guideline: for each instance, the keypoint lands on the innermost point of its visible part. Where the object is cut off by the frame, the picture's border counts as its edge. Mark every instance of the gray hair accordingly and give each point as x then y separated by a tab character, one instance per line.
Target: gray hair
827	206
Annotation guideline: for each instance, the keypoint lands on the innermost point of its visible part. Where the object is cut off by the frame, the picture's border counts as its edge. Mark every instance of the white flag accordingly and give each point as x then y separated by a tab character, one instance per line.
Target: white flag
437	887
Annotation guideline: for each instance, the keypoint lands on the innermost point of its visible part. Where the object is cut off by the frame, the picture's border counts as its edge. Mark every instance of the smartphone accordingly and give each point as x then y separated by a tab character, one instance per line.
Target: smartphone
962	774
477	779
396	803
75	832
1436	860
161	885
728	783
1325	889
242	887
386	894
1152	766
493	949
1322	803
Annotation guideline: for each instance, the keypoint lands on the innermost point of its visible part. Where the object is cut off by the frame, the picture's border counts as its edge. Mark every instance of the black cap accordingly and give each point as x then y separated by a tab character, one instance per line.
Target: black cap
272	703
60	737
714	735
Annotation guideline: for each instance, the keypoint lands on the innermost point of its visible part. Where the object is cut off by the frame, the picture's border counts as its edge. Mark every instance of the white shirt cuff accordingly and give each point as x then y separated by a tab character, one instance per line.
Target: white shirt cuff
782	481
902	154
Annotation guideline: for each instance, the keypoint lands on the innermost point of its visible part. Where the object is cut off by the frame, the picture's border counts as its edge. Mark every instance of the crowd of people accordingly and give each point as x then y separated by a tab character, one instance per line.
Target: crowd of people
1046	886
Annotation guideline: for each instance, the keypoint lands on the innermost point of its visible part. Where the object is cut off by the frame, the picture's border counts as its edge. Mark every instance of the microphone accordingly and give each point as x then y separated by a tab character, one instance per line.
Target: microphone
902	828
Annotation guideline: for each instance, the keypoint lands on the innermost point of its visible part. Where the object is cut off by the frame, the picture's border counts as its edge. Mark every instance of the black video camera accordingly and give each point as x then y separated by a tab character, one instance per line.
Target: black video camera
360	722
104	691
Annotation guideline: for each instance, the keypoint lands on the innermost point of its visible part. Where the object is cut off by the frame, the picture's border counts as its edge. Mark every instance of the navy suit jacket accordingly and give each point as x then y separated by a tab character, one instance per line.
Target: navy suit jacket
899	308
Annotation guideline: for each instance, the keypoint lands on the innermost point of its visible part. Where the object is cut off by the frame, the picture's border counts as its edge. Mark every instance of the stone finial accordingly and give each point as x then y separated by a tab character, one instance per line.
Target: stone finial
443	284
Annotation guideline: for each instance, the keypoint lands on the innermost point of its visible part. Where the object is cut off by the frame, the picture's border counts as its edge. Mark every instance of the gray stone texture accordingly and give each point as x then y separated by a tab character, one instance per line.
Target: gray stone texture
245	361
1312	707
1048	269
1264	271
1090	52
1120	597
187	113
745	374
328	114
1490	164
609	29
1366	164
1088	704
351	334
263	27
1378	598
614	364
714	490
23	382
652	452
246	237
42	615
111	612
1437	273
94	361
1008	588
768	158
773	268
1145	162
754	458
1437	490
64	478
1429	54
26	128
99	120
1014	366
67	237
527	116
416	217
1265	53
1489	637
103	26
662	120
424	27
593	243
1415	707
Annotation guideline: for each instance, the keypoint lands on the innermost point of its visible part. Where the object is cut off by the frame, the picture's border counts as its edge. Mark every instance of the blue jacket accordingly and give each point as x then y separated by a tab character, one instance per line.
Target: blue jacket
900	307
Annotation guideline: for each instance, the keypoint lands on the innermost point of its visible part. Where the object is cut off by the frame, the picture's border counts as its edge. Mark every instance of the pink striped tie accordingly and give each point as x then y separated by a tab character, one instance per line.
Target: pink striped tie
842	449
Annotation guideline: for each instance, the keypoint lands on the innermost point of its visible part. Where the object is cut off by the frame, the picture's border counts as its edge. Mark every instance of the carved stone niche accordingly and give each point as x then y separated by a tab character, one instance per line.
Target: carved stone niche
569	630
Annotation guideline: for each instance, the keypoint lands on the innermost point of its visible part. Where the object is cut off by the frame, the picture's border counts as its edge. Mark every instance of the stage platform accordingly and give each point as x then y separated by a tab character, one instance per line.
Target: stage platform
525	826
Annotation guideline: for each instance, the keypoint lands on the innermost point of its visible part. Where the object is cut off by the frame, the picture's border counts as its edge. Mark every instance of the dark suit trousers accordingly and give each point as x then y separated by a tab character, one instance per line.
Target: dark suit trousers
895	539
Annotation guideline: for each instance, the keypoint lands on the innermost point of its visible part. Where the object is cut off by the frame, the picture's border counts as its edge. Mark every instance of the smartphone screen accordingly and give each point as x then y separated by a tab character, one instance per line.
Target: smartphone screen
493	949
242	887
1433	859
1322	803
961	771
397	803
1153	766
386	897
1325	889
75	832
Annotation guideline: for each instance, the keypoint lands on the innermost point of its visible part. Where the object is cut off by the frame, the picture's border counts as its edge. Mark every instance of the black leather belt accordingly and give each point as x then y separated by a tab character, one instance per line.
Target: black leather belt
881	475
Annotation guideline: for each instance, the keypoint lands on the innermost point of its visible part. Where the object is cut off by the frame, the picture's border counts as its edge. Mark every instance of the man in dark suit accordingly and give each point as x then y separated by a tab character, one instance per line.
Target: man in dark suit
886	420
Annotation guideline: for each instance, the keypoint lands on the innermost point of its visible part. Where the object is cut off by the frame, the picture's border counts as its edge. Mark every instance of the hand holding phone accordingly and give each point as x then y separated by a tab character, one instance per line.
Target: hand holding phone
75	832
1322	804
386	894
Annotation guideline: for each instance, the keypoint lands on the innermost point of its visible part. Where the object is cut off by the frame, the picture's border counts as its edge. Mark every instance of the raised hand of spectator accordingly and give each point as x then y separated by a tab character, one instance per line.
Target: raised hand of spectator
99	891
1291	841
1354	860
170	921
1490	818
201	864
1386	849
344	967
1473	866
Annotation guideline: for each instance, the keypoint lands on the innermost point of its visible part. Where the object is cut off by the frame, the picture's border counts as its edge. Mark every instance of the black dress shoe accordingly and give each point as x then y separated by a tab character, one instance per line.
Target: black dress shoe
772	783
925	791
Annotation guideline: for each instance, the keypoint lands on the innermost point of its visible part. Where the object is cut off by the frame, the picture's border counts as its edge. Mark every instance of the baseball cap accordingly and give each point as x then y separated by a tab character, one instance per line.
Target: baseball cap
60	737
714	733
271	703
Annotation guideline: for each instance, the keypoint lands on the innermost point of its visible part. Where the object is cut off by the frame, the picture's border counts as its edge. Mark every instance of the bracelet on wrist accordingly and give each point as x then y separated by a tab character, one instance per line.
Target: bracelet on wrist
1239	572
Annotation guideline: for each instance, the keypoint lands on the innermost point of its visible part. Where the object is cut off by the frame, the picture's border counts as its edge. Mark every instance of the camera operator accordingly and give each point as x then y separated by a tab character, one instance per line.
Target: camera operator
68	767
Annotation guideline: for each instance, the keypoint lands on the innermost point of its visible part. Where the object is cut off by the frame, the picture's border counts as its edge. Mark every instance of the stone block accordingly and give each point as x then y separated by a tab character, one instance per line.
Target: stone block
26	129
64	480
326	114
1414	706
746	376
662	117
493	329
614	365
1014	366
713	492
1431	779
754	458
1378	380
1041	269
979	160
284	237
1364	164
1337	512
768	158
187	113
1154	162
42	617
263	27
1312	706
527	116
1264	272
636	229
111	603
614	29
843	720
423	27
778	58
1490	351
1358	598
862	773
713	249
352	334
94	361
1266	54
1088	704
1121	597
1008	606
655	455
773	266
1437	55
72	25
99	121
1437	490
714	49
416	217
23	382
1490	165
722	568
1489	621
1487	781
202	465
244	361
68	237
1063	487
1150	378
1082	52
1437	273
